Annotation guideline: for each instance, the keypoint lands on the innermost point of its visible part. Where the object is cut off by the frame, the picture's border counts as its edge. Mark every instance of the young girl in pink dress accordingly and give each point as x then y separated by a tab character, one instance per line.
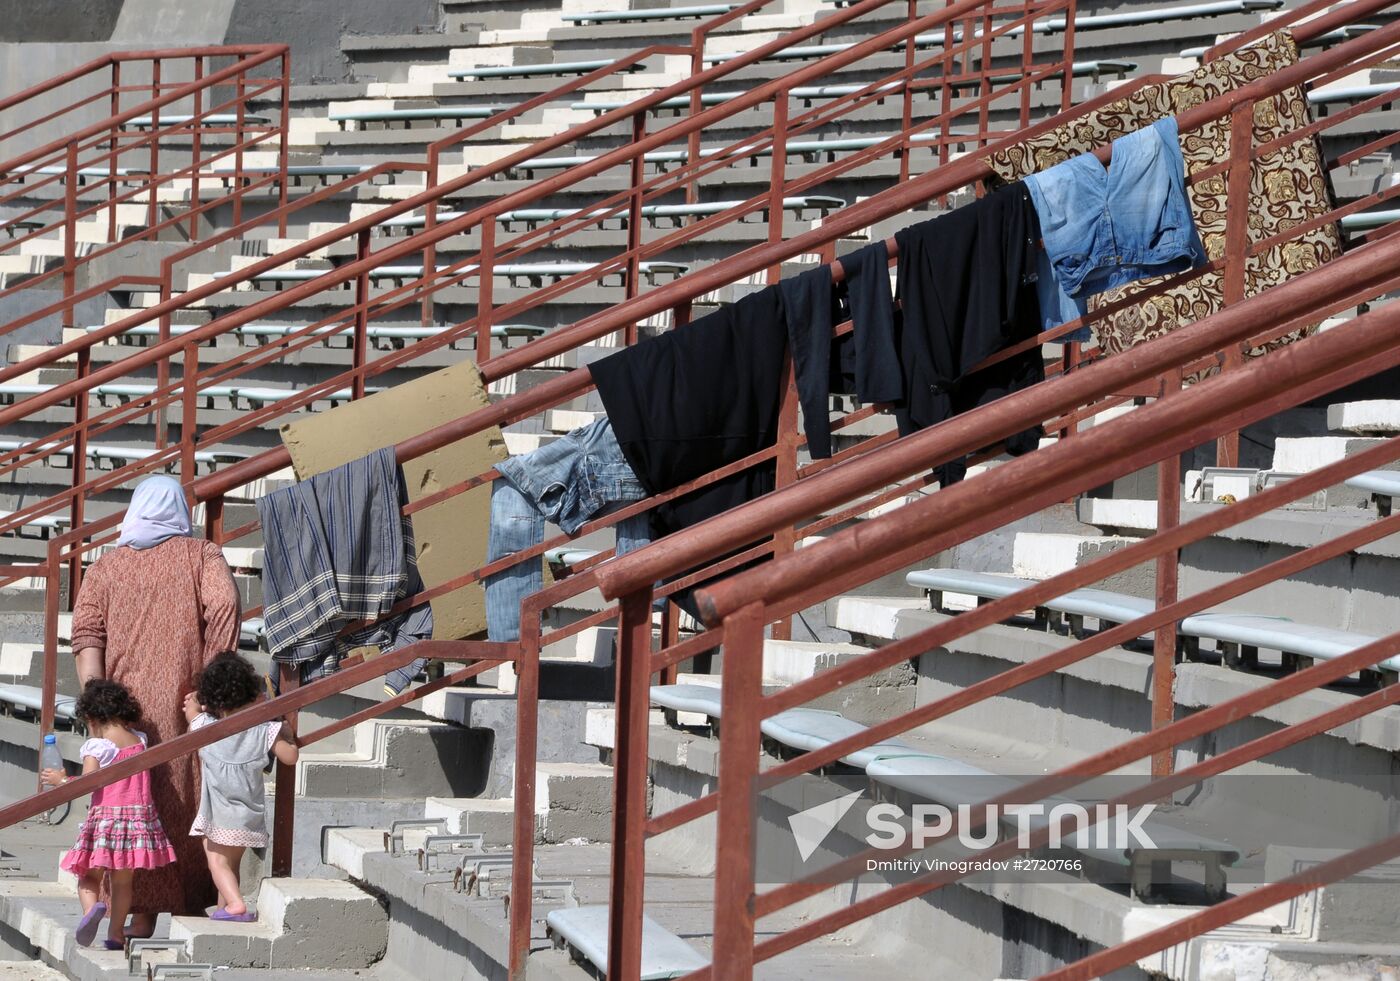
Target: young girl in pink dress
122	832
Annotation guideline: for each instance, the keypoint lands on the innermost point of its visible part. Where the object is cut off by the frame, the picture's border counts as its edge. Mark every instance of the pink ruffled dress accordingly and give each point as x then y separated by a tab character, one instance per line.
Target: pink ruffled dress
122	829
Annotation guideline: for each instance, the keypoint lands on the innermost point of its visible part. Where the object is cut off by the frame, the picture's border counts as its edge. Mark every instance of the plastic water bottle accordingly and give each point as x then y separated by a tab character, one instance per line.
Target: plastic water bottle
50	758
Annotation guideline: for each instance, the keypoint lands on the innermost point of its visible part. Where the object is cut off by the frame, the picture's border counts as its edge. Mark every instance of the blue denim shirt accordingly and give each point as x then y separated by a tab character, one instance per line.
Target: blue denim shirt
1103	229
576	476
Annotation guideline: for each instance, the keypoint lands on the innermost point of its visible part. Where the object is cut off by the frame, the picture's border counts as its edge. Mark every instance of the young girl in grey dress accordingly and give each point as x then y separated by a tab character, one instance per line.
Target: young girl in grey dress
232	807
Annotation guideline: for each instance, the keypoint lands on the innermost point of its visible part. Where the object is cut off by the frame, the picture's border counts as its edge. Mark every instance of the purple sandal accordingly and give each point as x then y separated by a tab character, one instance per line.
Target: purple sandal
87	926
222	914
111	944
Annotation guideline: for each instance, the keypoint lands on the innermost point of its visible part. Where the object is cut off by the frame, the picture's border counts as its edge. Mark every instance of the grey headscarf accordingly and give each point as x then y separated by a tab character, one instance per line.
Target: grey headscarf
158	511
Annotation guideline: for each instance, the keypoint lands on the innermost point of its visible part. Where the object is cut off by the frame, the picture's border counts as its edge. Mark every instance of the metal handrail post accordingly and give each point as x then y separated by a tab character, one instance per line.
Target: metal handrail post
630	764
739	745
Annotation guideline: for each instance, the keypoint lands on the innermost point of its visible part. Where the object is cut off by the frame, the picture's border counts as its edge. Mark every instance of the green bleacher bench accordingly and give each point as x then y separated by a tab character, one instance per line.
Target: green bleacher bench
18	225
653	14
899	764
808	730
811	93
250	632
532	217
410	116
921	42
256	397
45	524
1154	15
529	273
1364	220
323	173
211	119
121	393
583	930
86	173
1239	636
10	392
810	150
1317	41
1352	93
953	783
537	71
1299	643
31	699
1134	18
700	699
568	556
255	335
1382	485
111	455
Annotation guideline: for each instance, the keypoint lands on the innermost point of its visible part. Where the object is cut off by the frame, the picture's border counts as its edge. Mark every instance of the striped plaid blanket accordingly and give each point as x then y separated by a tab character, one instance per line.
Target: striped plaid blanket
337	550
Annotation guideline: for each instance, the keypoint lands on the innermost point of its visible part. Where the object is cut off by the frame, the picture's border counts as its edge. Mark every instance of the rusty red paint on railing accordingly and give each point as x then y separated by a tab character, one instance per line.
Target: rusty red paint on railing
675	297
32	511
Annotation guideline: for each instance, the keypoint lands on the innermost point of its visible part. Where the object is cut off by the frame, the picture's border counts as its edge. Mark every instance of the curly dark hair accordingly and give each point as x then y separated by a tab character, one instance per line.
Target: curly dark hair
227	683
105	701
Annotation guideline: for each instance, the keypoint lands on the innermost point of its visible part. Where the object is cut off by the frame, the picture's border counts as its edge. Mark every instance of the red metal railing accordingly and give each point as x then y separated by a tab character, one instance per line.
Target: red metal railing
69	548
78	175
740	608
742	605
1065	396
356	317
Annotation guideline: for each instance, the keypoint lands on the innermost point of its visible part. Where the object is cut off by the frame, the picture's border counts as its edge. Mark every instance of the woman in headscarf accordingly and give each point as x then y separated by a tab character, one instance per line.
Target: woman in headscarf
150	614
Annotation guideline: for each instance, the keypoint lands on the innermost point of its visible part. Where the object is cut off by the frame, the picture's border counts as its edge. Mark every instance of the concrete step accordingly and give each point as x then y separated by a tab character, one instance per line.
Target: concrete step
1305	453
575	801
1098	682
1068	911
28	971
302	923
492	817
867	700
398	759
1040	555
1119	516
1375	417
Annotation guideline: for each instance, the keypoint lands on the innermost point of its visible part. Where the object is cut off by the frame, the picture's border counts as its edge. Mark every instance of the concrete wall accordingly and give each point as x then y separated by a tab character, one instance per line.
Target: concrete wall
314	28
69	20
41	40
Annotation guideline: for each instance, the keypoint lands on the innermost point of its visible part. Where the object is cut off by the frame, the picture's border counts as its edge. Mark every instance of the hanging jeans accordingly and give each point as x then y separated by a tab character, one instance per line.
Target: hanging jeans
1107	228
577	477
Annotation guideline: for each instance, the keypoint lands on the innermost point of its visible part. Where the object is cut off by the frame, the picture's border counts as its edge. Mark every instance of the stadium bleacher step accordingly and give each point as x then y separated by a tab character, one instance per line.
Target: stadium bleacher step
1304	453
323	924
1040	555
393	759
302	923
1376	417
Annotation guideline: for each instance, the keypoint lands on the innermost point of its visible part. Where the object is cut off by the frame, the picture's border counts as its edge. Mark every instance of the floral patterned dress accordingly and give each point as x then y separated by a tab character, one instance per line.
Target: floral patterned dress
159	615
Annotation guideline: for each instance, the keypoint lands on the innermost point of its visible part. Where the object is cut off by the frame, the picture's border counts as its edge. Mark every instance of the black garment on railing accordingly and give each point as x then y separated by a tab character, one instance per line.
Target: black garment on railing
966	284
810	312
864	362
698	398
871	305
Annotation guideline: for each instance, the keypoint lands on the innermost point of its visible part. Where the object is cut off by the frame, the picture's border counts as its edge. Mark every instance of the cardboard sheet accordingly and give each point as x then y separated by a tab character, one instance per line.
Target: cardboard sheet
451	535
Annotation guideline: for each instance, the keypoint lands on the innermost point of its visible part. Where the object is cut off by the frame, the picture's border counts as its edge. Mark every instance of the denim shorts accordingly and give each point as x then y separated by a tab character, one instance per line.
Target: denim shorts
576	476
1107	228
567	482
